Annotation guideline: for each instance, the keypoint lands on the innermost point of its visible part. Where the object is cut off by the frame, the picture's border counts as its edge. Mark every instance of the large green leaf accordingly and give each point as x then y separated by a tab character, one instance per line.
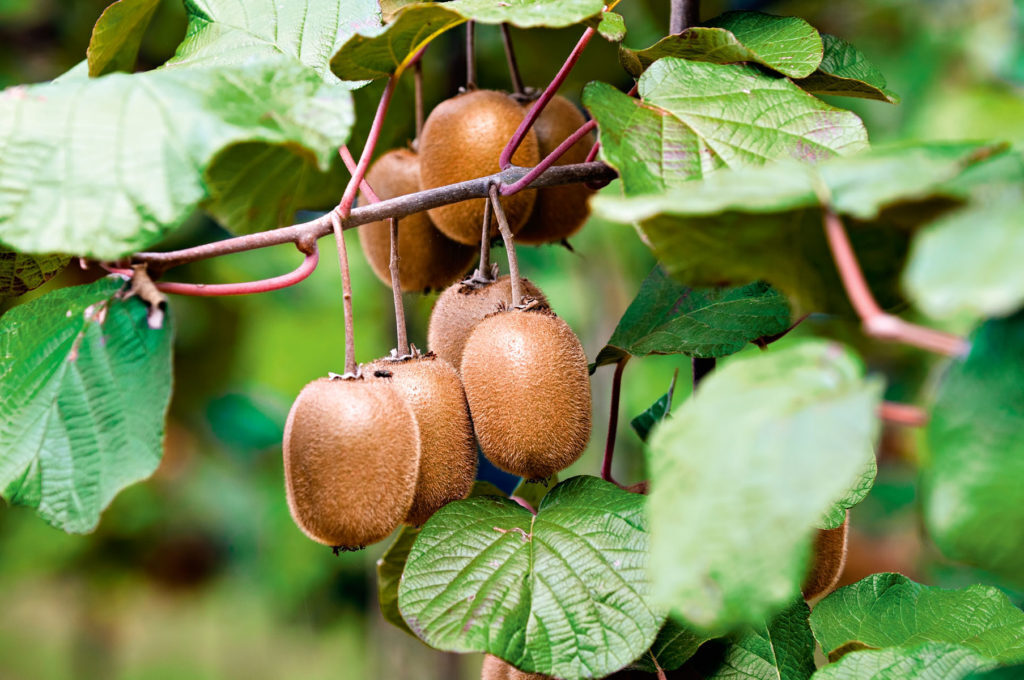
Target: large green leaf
563	592
102	167
20	273
926	661
845	71
117	35
378	52
667	317
782	649
84	386
695	117
788	45
754	460
973	479
766	223
969	262
890	610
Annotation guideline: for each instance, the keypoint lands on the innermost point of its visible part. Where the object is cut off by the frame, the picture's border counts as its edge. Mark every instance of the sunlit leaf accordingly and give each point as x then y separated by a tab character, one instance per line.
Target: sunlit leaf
115	41
846	72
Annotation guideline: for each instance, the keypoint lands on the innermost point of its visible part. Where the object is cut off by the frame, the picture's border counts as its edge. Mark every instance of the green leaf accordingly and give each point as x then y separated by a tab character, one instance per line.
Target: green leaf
890	610
667	317
759	455
836	515
98	168
84	386
20	273
766	223
968	263
788	45
674	645
926	661
563	593
612	27
694	118
846	72
1006	673
973	478
115	41
657	412
783	649
380	51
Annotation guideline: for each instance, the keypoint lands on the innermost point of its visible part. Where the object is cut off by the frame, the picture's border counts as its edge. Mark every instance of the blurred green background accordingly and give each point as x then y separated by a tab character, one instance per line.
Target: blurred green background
200	573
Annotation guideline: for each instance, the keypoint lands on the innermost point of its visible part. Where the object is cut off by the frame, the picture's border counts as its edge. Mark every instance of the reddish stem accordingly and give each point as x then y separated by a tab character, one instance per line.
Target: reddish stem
550	159
345	206
592	154
877	323
522	502
613	422
302	273
902	414
506	155
350	163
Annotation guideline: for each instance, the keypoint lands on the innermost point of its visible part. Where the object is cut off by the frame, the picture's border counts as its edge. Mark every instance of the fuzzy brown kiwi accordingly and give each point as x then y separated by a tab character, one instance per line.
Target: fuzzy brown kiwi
427	258
560	211
829	559
462	306
447	466
526	379
462	140
351	452
496	669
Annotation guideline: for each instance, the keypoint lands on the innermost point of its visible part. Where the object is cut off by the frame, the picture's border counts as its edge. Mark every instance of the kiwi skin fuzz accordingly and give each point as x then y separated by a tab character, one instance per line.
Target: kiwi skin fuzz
462	140
447	466
462	306
496	669
351	452
528	387
427	258
829	558
560	211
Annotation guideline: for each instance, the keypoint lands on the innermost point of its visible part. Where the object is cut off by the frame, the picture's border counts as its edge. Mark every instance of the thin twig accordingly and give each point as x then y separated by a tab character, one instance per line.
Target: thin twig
902	414
510	57
657	667
592	154
876	322
510	246
506	154
346	297
485	241
396	288
350	163
613	422
400	206
345	205
470	55
417	79
701	367
684	14
550	159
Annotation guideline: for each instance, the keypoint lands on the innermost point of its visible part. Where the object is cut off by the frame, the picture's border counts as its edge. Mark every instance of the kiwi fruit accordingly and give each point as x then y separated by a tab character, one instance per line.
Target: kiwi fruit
526	379
462	306
560	211
351	452
447	466
427	258
462	139
828	562
496	669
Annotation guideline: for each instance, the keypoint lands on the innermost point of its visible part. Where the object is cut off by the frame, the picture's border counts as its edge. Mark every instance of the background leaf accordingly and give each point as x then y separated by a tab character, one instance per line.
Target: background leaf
115	41
926	661
562	593
758	455
657	412
672	648
836	515
84	386
972	479
846	72
20	273
667	317
782	649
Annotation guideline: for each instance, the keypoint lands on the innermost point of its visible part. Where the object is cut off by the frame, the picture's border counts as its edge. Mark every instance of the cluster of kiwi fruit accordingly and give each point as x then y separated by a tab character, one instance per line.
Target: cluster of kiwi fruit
462	140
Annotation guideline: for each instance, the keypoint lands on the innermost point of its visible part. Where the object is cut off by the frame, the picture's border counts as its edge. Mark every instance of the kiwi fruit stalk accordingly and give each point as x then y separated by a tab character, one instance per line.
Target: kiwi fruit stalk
462	140
560	211
433	390
351	453
462	306
428	260
526	379
828	561
496	669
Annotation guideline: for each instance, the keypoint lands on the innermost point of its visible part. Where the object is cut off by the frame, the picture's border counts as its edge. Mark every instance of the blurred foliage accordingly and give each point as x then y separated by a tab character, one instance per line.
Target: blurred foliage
200	572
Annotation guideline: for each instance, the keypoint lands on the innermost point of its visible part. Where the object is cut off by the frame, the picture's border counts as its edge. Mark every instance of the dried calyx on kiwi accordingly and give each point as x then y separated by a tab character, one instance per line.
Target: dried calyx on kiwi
351	451
462	306
447	465
526	379
462	139
496	669
429	259
828	560
559	211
